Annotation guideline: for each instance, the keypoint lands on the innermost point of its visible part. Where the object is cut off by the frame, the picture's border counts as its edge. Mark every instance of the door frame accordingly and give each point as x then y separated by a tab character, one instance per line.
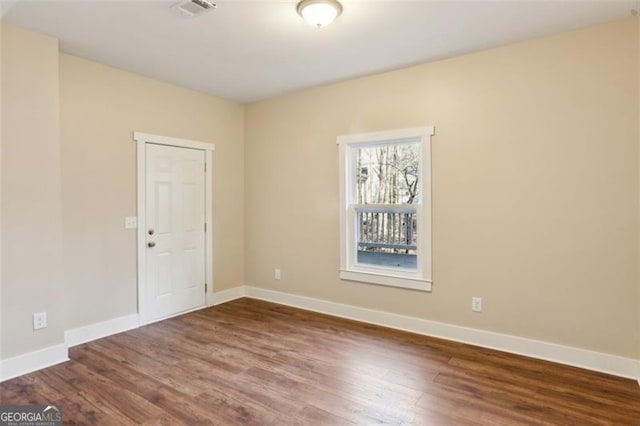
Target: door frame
142	139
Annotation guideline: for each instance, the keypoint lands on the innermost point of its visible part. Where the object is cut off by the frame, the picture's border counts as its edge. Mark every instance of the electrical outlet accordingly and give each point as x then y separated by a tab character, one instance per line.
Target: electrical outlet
476	304
277	275
130	222
39	320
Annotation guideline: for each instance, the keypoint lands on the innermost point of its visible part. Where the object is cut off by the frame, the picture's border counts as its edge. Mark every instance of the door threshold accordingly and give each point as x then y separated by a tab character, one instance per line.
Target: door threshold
177	314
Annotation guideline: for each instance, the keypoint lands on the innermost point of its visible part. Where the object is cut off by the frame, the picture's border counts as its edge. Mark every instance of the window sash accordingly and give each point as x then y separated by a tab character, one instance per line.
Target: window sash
352	239
352	163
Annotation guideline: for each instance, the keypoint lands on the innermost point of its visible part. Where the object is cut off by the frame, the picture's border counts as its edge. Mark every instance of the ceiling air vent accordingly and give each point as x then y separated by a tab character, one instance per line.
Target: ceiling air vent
195	7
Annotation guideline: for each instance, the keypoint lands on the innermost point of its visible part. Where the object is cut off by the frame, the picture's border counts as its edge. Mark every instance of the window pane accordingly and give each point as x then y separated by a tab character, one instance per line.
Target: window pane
388	174
387	237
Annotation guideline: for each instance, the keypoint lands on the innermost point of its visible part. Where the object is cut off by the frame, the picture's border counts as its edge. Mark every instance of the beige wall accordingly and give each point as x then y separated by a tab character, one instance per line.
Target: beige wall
100	108
535	187
638	293
1	136
31	211
69	180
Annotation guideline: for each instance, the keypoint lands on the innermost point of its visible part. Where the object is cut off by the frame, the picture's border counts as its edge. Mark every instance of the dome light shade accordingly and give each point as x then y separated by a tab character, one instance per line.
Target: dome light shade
319	12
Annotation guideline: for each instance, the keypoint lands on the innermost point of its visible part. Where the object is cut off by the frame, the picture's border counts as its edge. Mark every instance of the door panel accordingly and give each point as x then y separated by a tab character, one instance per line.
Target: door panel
175	221
163	274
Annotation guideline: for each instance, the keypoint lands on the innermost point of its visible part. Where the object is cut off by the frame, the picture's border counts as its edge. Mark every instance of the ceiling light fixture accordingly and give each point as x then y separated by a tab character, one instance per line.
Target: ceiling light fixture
319	12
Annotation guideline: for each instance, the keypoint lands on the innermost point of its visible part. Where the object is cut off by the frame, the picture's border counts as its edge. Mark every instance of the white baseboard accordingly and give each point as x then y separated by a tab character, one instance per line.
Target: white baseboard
37	360
98	330
228	295
583	358
113	326
32	361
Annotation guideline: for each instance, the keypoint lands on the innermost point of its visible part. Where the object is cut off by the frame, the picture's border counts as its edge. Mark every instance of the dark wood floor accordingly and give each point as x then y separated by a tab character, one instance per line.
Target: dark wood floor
252	362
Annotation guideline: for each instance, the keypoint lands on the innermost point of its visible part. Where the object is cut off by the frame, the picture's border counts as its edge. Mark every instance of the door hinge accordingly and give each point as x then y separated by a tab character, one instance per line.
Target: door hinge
205	287
205	167
205	227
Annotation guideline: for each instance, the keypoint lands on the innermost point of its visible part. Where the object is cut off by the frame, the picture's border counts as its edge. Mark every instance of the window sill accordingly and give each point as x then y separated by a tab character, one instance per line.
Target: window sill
386	280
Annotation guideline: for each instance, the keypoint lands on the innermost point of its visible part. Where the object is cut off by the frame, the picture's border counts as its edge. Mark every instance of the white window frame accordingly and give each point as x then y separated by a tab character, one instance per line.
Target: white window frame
350	270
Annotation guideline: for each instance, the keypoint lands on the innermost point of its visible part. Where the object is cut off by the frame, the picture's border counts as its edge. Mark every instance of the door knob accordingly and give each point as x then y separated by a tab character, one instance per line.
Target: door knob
151	244
151	231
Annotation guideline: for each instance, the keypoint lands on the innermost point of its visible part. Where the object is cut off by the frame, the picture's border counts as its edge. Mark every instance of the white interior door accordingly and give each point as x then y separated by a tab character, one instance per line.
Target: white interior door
175	234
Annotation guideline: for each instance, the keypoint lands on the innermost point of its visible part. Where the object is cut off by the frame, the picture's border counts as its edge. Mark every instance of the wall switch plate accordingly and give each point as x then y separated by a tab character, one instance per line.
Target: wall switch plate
39	320
277	275
476	304
131	222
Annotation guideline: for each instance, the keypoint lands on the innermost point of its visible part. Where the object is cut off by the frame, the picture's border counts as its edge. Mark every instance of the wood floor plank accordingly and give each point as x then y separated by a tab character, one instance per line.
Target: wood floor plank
312	415
184	408
353	403
77	410
553	376
20	391
250	362
526	403
109	396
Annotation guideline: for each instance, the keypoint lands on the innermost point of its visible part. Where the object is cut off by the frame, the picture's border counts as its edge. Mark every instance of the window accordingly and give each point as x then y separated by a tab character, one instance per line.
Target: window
385	215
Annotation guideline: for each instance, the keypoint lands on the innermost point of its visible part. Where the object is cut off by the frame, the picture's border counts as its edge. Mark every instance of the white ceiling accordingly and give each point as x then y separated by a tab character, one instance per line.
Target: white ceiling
251	50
